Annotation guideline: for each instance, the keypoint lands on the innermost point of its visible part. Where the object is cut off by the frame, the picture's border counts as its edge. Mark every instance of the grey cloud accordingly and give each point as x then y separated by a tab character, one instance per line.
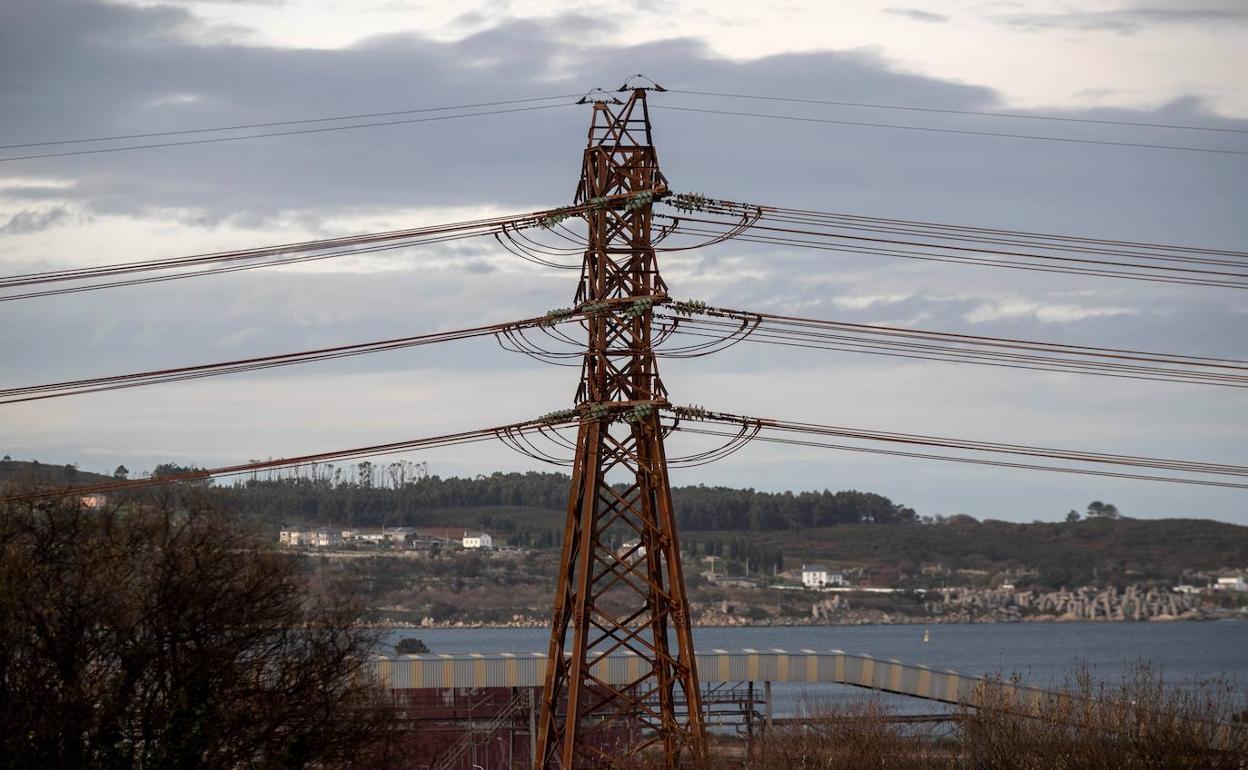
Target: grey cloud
918	14
1123	21
84	69
32	221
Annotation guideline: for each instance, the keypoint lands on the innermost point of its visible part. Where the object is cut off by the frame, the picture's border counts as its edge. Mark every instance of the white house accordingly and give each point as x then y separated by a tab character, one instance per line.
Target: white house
294	537
636	555
392	535
1231	583
814	576
481	540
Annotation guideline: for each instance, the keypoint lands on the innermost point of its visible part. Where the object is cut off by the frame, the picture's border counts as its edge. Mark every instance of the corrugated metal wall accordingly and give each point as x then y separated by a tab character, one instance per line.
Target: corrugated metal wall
809	666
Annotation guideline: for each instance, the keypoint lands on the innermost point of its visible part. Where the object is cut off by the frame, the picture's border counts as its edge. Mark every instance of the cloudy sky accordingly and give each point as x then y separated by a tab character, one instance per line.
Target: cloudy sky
84	69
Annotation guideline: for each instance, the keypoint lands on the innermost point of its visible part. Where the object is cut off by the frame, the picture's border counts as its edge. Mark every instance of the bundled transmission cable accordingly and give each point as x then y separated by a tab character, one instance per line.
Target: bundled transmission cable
270	134
198	371
1093	463
215	263
958	244
954	131
968	113
924	344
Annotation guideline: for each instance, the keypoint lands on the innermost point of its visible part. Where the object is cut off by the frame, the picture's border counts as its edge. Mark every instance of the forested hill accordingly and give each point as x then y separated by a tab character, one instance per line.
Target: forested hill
700	507
19	472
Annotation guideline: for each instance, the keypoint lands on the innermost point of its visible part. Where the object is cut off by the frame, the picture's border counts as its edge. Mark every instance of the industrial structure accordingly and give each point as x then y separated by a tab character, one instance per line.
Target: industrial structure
482	709
620	677
607	601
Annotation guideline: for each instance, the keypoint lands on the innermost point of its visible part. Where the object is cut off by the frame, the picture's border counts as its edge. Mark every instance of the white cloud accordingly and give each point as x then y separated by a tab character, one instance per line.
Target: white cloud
1048	313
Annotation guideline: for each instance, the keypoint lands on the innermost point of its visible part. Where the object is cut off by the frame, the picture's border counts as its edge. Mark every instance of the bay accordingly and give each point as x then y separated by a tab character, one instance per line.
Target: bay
1043	654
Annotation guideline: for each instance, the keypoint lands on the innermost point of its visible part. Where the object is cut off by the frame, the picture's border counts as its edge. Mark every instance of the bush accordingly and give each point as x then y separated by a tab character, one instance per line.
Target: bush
152	639
410	646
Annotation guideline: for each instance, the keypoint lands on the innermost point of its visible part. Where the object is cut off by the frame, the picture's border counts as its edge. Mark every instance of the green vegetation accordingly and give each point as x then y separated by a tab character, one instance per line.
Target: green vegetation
364	495
766	531
410	645
1093	551
32	473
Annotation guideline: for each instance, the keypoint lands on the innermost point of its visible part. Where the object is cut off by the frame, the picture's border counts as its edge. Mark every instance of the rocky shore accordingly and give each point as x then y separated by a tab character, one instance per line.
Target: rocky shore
820	616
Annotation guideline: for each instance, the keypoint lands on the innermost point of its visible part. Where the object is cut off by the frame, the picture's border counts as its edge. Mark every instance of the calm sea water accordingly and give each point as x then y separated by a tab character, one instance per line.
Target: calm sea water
1042	653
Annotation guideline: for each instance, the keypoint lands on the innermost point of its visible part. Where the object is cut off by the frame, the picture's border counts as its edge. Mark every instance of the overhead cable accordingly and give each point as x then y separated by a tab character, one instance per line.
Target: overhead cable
965	132
138	379
293	132
1091	463
925	344
971	113
272	124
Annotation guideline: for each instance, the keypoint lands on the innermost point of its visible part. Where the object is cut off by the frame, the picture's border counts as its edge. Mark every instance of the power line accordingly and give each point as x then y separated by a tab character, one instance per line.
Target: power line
953	259
326	129
966	132
1164	266
197	371
922	344
952	229
1093	459
969	460
272	124
974	113
269	256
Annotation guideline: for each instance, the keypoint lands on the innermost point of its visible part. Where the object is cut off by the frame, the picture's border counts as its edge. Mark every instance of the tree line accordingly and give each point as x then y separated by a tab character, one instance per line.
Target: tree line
350	499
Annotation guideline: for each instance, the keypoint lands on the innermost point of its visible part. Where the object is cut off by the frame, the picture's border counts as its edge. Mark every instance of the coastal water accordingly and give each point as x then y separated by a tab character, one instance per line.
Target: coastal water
1042	653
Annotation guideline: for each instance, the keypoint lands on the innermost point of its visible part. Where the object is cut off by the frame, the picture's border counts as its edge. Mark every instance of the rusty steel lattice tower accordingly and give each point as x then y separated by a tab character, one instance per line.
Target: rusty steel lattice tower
630	599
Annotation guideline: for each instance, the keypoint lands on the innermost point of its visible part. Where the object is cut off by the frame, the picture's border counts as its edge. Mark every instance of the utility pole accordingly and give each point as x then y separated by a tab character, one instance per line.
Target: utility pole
634	601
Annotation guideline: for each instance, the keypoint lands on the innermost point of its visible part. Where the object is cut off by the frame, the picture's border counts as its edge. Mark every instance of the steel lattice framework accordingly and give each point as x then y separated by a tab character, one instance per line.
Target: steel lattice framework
632	598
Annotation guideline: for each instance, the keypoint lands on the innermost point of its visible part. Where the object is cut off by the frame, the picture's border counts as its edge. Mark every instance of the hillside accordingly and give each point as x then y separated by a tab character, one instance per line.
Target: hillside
847	529
23	472
1089	551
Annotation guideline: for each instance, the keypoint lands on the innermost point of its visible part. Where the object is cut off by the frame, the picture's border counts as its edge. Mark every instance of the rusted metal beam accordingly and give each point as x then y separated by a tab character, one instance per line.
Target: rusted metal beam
632	601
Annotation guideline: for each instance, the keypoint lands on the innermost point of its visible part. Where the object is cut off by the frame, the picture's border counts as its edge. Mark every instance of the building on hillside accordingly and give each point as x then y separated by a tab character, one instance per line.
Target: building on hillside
815	576
395	535
399	535
326	538
637	555
292	538
1235	583
480	540
93	502
425	545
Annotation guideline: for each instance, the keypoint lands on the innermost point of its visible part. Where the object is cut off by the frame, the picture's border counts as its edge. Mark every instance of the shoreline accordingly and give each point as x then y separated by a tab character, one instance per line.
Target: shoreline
746	623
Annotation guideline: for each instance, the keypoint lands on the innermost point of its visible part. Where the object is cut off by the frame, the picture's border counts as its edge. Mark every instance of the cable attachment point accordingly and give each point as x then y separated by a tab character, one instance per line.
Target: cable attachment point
629	85
639	308
689	307
553	317
595	309
597	411
639	200
559	415
689	202
555	217
597	95
691	412
638	413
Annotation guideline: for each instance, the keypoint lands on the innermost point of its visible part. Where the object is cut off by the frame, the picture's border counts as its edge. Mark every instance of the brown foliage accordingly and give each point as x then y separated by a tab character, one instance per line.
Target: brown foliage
856	736
1142	724
152	638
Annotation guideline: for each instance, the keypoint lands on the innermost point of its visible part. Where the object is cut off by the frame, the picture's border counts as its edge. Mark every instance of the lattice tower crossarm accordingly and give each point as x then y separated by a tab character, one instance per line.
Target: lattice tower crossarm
630	598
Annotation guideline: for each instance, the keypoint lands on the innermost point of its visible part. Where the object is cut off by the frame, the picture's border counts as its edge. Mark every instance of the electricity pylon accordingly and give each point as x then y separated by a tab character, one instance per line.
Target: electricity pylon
630	599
